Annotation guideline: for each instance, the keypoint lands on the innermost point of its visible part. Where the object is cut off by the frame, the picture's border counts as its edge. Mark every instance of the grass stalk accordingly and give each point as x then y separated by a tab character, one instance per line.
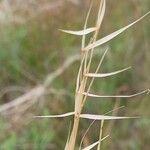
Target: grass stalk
82	89
82	80
100	135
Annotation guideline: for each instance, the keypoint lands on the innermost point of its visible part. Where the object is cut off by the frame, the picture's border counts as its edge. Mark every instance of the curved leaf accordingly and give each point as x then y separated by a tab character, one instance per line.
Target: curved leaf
102	75
80	33
112	35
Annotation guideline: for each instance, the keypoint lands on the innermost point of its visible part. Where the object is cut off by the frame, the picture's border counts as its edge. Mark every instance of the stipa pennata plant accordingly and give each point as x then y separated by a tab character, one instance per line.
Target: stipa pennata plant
86	78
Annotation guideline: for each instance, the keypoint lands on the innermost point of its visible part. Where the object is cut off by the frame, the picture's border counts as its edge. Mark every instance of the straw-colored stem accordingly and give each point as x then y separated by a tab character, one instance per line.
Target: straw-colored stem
92	80
100	135
98	25
72	140
78	109
81	82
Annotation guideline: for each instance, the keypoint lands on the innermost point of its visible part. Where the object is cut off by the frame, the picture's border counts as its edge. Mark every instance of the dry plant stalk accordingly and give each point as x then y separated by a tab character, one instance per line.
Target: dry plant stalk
34	94
85	79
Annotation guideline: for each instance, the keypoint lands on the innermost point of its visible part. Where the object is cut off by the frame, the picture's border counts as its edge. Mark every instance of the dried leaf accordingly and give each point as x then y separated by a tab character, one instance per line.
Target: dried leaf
80	33
112	35
111	96
91	146
56	116
102	117
102	75
94	144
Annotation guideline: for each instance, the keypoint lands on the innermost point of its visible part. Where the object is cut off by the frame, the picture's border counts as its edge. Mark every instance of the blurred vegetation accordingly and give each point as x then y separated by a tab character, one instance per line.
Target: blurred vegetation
33	48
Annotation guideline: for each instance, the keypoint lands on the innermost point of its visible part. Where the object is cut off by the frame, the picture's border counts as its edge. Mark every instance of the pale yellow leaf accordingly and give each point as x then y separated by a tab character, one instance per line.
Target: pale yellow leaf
56	116
111	96
94	144
102	117
112	35
80	33
102	75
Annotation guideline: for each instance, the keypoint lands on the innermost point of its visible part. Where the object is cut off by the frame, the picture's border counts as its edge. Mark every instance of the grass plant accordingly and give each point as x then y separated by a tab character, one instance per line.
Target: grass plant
85	78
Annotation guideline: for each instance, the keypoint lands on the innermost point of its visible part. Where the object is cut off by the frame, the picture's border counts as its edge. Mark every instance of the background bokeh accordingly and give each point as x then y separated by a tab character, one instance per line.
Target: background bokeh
31	47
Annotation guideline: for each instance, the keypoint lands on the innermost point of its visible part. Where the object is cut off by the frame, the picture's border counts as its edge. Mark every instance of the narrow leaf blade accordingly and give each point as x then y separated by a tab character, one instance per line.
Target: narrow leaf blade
56	116
112	35
80	33
94	144
103	75
113	96
102	117
91	146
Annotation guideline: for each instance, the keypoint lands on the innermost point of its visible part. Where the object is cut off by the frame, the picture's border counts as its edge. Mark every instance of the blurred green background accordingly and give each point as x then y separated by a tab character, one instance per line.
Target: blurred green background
31	47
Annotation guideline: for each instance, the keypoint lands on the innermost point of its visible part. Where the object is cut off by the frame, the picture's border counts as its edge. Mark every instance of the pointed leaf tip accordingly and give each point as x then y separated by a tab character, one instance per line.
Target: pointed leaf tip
94	144
56	116
114	96
80	33
103	75
91	146
112	35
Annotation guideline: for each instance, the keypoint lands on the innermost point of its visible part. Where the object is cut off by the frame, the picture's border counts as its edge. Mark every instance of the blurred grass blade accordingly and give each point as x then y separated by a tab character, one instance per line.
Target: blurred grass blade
56	116
111	96
113	110
94	144
102	75
82	32
112	35
102	117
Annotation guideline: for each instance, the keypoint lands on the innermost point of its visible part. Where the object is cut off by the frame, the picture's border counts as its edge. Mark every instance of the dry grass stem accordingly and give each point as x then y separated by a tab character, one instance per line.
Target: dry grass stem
85	78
